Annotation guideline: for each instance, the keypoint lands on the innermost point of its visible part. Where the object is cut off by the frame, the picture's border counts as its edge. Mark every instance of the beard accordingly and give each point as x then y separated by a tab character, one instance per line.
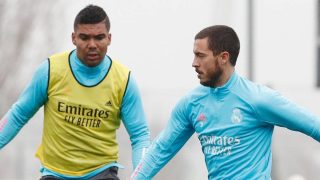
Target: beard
213	77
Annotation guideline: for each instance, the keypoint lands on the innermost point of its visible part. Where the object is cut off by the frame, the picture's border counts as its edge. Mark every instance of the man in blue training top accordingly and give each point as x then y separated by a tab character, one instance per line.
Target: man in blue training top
233	117
85	95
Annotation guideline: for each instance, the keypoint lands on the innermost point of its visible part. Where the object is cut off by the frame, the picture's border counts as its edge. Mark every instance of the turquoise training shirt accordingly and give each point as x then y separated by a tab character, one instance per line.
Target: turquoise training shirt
234	124
35	95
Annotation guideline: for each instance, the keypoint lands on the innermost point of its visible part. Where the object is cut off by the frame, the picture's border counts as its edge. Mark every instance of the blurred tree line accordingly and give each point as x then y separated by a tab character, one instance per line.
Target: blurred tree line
28	31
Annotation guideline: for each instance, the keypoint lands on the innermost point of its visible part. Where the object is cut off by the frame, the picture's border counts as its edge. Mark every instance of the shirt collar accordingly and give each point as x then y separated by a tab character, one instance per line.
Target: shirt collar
225	89
77	65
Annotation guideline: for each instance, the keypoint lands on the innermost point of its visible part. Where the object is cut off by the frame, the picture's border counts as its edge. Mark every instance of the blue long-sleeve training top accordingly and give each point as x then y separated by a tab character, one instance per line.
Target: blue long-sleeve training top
234	124
35	95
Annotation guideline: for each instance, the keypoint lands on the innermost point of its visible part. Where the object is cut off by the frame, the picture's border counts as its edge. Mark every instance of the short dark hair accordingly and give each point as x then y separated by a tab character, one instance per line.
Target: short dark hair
221	38
92	14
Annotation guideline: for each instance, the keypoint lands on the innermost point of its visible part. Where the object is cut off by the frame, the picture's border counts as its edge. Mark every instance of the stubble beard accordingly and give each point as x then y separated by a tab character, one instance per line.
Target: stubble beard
213	78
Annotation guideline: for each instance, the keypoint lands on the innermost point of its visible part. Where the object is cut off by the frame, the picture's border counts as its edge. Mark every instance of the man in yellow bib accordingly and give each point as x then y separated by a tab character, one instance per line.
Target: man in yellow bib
85	95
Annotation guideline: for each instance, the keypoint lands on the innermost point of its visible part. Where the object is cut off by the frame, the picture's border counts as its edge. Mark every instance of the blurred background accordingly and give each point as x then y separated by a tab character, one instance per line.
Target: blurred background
279	48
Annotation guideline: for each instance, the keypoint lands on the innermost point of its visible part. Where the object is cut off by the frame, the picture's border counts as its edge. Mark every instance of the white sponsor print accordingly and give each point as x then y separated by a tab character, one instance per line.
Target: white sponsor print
218	145
214	150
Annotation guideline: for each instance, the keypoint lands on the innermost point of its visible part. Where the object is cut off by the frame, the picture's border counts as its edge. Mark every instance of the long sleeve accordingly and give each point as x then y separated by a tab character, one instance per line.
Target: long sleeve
273	108
28	103
166	145
134	120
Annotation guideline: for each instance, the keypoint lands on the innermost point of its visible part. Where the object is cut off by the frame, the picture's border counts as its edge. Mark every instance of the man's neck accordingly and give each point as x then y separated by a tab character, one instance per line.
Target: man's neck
225	76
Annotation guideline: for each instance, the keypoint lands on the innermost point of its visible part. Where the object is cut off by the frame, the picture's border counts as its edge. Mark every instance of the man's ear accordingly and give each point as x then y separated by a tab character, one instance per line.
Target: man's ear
73	37
224	57
109	38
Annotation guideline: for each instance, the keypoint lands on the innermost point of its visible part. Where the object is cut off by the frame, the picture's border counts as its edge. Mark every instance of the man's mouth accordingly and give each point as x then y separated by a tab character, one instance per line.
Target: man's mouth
93	56
199	72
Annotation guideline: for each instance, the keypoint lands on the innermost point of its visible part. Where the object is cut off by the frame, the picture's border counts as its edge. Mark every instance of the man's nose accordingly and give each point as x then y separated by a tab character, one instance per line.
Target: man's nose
92	43
195	63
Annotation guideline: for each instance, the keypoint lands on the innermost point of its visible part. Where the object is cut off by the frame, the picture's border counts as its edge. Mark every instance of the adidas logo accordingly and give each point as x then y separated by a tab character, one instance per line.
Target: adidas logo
108	103
202	119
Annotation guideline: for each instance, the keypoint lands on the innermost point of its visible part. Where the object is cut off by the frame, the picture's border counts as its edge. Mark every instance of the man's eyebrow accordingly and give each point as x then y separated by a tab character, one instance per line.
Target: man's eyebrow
98	35
82	34
197	52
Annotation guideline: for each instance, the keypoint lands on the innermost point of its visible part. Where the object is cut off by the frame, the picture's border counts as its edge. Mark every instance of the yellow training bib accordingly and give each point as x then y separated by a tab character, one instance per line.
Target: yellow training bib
80	122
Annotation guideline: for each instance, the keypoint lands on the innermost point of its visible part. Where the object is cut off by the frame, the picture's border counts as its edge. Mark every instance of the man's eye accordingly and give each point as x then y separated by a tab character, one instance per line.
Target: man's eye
199	55
84	38
99	37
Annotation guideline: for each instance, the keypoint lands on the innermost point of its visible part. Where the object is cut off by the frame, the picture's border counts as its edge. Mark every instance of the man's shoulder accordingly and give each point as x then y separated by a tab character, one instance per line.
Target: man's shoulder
196	93
252	92
245	86
118	64
60	55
